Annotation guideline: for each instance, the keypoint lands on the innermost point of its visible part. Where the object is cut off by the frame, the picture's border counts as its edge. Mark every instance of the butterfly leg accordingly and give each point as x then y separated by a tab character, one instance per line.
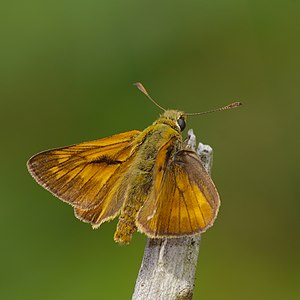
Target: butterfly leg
125	229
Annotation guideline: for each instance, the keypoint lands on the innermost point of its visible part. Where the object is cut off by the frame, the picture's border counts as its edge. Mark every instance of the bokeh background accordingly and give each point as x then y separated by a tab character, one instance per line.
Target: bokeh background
66	74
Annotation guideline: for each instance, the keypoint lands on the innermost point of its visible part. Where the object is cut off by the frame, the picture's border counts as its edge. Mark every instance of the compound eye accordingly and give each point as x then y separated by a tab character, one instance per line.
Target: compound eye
181	123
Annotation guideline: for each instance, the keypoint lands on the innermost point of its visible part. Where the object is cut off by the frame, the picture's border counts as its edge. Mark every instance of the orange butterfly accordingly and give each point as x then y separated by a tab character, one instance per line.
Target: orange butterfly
149	178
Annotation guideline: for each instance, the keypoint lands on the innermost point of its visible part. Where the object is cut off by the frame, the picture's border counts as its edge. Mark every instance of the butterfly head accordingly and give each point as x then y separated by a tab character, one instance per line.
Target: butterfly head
175	118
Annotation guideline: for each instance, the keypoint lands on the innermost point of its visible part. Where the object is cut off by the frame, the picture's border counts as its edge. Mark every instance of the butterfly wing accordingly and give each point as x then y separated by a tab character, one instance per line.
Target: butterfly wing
87	174
183	201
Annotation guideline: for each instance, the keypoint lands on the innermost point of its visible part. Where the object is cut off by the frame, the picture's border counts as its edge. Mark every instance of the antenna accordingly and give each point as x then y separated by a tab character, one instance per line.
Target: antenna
144	91
229	106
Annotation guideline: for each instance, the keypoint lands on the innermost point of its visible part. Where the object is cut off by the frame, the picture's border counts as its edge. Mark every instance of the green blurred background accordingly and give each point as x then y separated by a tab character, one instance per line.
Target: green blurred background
66	74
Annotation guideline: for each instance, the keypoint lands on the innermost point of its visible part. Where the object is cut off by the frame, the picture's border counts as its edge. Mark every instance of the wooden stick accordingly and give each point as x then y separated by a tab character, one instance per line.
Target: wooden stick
169	265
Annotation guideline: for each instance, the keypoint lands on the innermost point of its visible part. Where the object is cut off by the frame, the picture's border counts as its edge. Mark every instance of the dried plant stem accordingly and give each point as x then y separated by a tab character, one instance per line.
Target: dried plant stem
169	265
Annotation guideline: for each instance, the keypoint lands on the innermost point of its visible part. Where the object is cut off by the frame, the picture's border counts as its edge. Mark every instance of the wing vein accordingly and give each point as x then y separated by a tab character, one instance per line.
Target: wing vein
169	219
67	185
189	217
199	208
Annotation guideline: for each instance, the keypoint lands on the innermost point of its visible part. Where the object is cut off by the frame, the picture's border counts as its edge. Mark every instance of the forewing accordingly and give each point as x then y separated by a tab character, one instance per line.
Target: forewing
183	201
83	175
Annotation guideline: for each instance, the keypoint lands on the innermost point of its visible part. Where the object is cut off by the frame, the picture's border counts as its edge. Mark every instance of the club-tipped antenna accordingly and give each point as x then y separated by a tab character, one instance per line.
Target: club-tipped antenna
144	91
229	106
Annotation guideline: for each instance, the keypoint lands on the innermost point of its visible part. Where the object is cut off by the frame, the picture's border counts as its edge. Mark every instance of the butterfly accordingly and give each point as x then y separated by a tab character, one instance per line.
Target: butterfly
150	179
